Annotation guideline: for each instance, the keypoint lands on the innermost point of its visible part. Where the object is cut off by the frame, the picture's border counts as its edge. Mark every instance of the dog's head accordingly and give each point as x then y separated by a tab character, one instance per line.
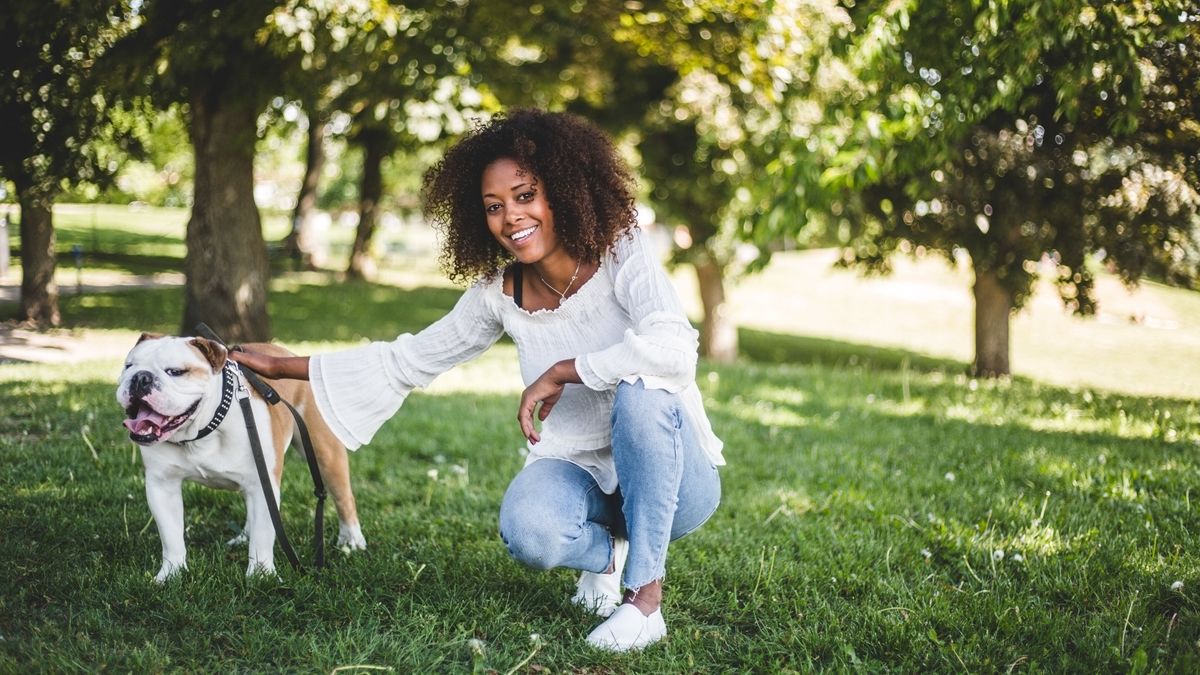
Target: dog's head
164	382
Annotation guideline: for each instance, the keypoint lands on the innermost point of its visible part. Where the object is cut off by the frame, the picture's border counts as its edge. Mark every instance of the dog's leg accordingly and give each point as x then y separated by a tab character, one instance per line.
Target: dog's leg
260	532
165	497
335	470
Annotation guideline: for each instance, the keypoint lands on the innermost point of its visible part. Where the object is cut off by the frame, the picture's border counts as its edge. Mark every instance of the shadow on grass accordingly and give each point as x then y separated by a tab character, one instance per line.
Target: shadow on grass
318	312
139	264
130	261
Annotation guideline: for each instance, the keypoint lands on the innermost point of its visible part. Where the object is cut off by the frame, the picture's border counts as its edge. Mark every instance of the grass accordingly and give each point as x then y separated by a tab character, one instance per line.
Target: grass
881	512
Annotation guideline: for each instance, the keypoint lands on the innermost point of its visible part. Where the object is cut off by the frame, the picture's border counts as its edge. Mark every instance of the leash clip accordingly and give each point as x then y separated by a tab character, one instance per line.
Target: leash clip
242	391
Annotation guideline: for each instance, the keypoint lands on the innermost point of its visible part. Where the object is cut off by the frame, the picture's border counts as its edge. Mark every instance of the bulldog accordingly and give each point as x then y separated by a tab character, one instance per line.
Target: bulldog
181	404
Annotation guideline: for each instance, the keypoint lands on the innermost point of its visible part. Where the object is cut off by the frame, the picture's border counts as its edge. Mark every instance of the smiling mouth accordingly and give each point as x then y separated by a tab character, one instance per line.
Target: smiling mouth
146	425
522	235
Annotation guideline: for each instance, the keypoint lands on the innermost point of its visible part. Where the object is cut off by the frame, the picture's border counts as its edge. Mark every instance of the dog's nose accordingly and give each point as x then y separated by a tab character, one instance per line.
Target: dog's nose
141	383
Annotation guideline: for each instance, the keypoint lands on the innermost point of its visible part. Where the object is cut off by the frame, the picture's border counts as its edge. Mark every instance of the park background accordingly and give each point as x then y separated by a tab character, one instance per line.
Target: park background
961	437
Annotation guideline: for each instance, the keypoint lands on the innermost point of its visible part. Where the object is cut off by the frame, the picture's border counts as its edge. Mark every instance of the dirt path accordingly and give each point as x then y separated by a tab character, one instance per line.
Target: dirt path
18	345
22	345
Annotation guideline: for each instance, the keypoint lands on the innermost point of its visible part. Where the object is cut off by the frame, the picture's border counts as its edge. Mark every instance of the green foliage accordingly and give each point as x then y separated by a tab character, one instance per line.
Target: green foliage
160	173
736	67
50	105
1011	130
197	51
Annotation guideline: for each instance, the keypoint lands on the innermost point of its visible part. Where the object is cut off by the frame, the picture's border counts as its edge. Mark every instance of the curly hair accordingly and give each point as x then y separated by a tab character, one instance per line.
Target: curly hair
588	186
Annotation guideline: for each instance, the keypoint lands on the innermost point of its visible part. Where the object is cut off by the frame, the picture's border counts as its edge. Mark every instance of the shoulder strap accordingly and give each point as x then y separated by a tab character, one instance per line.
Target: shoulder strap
518	283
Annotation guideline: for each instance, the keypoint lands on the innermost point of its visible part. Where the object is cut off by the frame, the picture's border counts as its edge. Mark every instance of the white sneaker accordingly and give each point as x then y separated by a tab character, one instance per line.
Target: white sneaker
628	629
601	593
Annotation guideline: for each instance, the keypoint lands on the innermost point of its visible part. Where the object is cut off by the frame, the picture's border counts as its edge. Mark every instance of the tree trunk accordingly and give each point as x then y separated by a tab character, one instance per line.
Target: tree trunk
718	333
993	310
299	245
374	152
226	263
39	292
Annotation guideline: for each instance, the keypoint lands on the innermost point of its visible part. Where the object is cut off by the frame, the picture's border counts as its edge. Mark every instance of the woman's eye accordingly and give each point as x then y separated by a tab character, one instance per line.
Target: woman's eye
525	196
491	208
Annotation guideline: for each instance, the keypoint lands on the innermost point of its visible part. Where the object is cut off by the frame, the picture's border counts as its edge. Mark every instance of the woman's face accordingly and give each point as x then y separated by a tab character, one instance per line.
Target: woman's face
518	214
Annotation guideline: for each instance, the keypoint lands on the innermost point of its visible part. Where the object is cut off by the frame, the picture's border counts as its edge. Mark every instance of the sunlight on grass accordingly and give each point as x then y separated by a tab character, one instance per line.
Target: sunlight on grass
765	412
925	307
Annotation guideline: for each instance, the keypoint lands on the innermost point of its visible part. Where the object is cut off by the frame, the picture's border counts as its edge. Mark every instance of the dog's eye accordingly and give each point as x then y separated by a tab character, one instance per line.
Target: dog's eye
128	365
175	372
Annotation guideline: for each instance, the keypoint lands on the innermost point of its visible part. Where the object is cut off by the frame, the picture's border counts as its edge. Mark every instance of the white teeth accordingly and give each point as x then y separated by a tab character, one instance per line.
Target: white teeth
518	236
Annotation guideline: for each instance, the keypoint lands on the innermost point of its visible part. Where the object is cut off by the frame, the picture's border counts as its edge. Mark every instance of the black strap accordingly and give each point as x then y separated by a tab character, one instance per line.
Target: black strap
272	397
264	478
318	486
518	283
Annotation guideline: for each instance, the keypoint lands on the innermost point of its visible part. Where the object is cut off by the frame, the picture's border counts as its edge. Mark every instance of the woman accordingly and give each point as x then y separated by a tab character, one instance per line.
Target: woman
537	210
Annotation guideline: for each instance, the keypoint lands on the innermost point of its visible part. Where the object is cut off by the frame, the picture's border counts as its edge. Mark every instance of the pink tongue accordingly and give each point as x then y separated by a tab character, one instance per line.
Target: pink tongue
146	422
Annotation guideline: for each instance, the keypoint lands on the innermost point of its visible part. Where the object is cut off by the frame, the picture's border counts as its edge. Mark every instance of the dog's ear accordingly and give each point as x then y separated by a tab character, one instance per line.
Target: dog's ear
214	352
149	336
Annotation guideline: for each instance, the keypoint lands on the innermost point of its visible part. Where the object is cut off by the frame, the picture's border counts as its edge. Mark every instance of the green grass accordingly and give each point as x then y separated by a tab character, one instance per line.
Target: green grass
863	506
881	511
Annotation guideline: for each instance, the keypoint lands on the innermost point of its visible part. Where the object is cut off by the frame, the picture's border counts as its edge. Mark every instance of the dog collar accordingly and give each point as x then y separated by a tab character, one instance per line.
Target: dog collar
228	387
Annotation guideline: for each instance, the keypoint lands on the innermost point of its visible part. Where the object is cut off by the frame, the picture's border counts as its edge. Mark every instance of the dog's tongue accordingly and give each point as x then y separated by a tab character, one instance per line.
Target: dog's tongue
146	422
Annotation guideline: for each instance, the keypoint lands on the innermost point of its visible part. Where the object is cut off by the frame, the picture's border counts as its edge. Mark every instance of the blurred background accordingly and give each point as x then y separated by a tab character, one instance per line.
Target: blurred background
1005	158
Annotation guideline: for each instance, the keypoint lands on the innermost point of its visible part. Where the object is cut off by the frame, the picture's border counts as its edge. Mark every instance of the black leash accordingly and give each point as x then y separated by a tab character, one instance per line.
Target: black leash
272	397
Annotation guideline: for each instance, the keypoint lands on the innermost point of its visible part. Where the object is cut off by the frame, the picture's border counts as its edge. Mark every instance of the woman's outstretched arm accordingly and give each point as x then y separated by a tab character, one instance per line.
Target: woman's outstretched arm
274	367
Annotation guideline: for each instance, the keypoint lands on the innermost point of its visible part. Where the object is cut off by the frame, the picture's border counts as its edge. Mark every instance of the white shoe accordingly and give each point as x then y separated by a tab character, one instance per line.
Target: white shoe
628	629
601	593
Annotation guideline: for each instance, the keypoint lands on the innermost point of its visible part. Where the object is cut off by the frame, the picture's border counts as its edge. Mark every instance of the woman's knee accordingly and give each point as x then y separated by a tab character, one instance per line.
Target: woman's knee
700	495
526	531
537	529
643	412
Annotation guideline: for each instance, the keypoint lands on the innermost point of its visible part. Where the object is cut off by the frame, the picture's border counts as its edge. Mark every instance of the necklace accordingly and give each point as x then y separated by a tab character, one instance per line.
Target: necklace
562	297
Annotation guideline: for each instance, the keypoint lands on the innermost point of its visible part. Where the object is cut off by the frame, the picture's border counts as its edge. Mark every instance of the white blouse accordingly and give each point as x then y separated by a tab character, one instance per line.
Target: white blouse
624	324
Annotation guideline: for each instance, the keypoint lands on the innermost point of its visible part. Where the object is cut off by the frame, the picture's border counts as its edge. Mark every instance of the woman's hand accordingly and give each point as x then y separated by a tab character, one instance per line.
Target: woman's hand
274	367
546	390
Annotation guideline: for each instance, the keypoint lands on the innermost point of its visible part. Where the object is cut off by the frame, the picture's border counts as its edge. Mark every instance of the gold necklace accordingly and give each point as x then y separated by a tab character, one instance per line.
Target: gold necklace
562	297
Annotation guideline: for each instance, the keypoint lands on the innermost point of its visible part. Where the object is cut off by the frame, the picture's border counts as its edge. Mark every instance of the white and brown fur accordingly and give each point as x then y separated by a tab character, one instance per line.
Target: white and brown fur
179	380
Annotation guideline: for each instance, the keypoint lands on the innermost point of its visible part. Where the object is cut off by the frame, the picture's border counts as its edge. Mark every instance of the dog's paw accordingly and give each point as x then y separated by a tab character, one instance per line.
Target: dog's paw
168	571
259	568
239	540
350	538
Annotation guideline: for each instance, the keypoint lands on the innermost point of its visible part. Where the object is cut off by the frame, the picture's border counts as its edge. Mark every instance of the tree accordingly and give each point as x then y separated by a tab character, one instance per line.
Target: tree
214	58
397	69
298	245
52	112
1010	131
704	145
327	36
413	90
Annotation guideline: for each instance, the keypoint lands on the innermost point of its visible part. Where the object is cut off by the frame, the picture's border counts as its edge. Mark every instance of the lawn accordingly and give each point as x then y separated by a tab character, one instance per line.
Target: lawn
881	510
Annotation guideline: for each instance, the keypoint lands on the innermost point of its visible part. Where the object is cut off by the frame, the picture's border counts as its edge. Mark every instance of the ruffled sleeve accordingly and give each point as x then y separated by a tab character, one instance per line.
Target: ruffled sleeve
359	389
660	347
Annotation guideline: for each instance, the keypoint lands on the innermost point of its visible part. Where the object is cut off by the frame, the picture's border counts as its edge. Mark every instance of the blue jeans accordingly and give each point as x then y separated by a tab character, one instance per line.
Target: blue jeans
555	515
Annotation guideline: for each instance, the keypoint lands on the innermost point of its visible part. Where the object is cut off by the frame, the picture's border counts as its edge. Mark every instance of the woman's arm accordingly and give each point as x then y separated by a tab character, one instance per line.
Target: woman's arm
660	347
274	367
356	390
547	389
